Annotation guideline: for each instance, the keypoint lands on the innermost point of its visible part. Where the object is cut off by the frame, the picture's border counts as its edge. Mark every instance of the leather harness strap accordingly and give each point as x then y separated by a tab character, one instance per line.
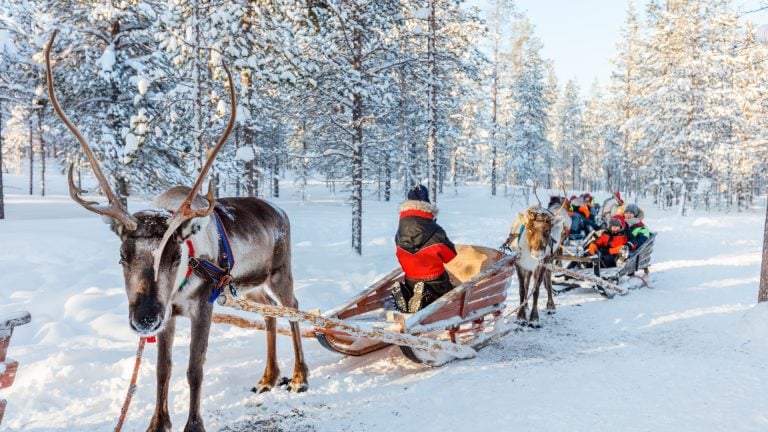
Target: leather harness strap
218	275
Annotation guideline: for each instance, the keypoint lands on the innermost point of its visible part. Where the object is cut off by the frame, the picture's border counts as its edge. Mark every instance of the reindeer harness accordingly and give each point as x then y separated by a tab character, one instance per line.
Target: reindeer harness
218	275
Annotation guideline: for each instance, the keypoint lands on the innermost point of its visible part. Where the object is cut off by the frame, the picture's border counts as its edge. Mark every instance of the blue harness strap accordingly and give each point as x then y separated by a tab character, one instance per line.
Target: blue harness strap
218	275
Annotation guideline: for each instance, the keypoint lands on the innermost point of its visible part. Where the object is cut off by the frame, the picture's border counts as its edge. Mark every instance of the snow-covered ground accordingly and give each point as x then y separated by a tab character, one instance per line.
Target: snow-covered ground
691	354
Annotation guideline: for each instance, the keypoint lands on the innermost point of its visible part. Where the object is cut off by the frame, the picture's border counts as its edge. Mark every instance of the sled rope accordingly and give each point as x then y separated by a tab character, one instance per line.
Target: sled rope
337	325
238	321
132	386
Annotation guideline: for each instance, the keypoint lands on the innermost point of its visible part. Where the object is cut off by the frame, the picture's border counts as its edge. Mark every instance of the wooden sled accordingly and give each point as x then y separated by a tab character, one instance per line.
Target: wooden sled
8	367
466	316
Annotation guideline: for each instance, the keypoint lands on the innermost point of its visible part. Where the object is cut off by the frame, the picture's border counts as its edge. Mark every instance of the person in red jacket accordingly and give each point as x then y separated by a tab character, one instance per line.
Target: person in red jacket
611	244
422	249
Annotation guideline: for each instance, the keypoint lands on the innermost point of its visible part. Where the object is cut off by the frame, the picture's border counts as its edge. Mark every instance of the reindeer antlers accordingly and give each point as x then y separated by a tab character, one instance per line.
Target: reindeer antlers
185	212
114	209
536	185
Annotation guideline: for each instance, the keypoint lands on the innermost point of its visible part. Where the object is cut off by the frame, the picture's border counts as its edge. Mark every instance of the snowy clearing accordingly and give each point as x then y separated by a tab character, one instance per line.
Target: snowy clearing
689	354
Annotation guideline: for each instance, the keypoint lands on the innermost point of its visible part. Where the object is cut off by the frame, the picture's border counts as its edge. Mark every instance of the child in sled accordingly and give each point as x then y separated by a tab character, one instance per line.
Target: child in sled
637	232
612	244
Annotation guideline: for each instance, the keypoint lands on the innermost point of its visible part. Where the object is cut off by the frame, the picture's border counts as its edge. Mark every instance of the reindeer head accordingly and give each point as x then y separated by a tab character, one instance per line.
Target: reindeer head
151	251
538	230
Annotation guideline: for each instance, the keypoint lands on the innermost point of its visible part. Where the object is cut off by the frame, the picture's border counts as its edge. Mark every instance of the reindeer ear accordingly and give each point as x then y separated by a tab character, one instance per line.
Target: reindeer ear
190	228
118	228
528	218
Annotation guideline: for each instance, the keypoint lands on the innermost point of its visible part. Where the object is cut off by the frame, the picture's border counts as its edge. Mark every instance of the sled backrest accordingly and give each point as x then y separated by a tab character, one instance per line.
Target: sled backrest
469	261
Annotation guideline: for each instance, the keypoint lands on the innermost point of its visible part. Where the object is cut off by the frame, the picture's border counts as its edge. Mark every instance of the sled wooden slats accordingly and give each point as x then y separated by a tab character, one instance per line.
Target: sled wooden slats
470	309
384	282
375	300
451	303
8	367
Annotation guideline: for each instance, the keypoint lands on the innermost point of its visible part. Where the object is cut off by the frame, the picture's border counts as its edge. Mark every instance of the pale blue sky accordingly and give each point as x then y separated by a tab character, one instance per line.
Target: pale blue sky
580	36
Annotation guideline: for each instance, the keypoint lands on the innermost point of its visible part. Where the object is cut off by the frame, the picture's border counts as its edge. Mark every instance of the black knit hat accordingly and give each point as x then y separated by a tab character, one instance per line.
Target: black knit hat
419	193
615	222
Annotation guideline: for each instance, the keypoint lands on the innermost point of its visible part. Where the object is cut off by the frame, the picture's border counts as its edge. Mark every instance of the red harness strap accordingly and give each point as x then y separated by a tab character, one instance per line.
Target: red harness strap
189	268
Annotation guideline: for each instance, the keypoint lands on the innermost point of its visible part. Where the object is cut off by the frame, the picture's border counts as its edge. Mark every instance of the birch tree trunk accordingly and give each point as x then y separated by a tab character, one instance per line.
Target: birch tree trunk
42	149
357	150
763	294
31	156
432	143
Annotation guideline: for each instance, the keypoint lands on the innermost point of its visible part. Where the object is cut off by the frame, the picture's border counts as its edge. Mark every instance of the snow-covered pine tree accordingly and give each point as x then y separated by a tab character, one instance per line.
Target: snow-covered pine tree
598	141
354	55
625	163
449	36
568	152
529	123
503	13
752	89
552	95
24	83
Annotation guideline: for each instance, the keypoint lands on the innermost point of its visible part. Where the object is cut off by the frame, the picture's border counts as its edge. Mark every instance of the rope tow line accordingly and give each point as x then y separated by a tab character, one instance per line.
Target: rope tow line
132	386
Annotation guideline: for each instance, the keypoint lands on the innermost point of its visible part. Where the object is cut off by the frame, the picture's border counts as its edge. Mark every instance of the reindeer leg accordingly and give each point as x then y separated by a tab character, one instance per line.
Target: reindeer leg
201	326
161	420
550	297
281	283
271	370
537	277
522	277
300	370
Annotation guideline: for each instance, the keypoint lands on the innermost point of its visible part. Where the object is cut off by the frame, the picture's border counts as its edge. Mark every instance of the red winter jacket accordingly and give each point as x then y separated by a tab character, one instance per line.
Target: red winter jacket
613	242
422	245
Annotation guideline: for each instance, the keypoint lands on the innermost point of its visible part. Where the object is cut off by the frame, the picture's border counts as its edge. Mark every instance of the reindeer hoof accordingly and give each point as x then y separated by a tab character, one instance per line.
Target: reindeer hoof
534	324
284	381
551	311
298	387
194	426
261	388
159	424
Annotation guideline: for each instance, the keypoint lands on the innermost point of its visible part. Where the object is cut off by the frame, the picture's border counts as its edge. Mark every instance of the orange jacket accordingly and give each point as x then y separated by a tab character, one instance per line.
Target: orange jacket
612	242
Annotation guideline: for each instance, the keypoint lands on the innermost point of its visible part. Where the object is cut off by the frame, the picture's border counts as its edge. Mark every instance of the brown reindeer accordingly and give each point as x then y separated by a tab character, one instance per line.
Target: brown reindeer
154	246
537	235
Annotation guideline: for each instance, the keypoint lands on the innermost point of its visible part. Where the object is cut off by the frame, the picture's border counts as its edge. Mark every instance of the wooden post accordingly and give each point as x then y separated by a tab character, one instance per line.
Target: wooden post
8	367
763	293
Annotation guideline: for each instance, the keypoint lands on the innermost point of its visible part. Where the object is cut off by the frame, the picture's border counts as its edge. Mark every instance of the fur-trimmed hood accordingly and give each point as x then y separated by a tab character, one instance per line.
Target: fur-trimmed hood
418	205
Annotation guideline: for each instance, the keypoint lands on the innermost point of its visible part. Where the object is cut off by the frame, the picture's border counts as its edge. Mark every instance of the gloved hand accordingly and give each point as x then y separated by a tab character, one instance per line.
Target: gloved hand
614	250
592	249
